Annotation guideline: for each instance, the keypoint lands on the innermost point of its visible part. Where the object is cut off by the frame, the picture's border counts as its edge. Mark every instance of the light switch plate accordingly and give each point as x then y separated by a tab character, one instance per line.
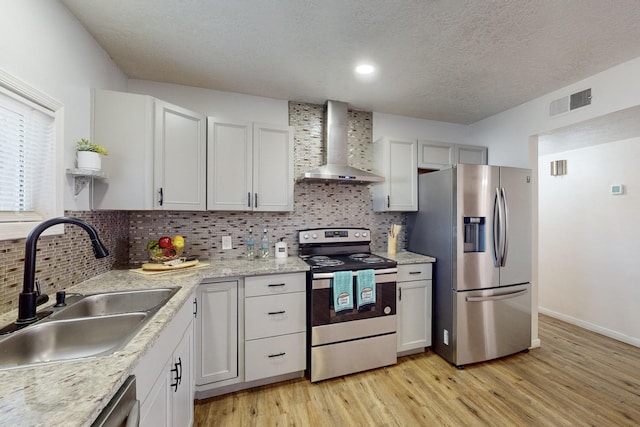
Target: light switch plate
226	242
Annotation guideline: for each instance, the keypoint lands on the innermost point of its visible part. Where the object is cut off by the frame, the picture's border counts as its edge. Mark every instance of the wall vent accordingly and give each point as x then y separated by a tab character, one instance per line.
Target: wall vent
580	99
569	103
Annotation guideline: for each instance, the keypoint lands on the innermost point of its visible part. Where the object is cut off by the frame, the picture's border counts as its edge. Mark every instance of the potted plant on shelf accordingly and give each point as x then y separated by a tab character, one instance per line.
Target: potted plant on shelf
89	155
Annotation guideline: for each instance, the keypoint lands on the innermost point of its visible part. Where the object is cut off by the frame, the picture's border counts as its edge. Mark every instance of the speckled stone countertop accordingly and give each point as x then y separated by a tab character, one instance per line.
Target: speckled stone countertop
73	393
406	257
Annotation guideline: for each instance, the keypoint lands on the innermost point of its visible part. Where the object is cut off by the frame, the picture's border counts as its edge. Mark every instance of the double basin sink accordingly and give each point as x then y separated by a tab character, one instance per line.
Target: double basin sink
93	325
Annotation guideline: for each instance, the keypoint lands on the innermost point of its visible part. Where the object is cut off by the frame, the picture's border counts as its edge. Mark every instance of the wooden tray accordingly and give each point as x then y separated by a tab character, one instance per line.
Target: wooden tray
155	268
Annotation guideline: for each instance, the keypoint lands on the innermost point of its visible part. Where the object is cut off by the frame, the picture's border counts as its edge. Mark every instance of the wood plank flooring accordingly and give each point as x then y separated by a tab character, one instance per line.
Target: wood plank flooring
576	378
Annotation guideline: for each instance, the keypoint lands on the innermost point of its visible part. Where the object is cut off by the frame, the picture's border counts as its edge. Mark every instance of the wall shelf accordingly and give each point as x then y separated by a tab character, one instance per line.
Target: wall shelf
81	177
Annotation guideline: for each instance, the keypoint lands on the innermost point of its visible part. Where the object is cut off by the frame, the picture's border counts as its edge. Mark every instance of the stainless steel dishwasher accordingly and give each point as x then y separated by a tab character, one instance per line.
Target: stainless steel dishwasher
124	408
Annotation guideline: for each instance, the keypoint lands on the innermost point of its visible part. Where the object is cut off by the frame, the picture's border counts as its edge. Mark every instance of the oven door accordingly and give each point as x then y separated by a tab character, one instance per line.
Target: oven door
321	302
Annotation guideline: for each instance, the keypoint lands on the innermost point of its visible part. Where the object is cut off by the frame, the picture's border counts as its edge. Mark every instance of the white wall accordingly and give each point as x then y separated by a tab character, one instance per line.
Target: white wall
507	134
589	238
42	44
225	105
411	128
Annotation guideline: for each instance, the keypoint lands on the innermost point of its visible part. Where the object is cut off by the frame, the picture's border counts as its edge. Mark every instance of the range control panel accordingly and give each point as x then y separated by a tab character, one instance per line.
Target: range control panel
334	235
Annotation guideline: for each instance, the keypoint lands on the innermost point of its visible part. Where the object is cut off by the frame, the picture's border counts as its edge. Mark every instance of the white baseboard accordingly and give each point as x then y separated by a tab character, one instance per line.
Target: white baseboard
590	326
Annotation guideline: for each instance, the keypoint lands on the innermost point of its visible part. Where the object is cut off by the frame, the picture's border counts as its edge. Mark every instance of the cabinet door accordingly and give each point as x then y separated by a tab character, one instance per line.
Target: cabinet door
217	332
435	155
230	166
272	167
414	315
396	160
123	123
179	158
182	413
471	154
157	408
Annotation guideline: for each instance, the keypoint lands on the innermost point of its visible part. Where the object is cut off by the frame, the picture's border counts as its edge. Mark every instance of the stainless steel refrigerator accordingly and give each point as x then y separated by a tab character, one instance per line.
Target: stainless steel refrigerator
476	221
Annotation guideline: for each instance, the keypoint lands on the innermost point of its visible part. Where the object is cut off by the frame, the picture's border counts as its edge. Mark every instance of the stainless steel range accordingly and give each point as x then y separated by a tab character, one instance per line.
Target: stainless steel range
351	303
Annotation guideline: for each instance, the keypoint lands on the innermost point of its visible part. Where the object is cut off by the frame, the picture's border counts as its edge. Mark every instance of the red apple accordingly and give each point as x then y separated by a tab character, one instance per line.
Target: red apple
165	242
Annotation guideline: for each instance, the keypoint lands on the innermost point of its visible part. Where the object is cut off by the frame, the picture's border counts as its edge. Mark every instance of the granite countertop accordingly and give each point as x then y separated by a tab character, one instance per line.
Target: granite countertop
73	393
405	257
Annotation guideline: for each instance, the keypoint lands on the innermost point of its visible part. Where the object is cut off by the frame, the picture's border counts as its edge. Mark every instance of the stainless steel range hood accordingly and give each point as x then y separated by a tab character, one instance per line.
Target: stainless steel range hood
337	169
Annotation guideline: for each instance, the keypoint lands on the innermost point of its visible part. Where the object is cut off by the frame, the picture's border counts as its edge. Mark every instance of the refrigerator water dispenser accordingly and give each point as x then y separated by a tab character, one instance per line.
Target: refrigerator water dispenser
474	234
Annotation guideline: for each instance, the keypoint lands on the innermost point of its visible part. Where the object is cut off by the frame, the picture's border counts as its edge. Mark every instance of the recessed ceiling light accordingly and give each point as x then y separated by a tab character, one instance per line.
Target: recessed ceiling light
365	69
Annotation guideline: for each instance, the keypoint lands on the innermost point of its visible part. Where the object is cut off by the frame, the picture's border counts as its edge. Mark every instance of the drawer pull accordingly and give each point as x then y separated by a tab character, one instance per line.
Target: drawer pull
273	285
277	355
271	313
414	272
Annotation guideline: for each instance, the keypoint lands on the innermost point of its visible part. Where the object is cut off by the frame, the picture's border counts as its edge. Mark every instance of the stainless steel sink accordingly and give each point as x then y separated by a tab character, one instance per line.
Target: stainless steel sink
116	302
69	339
94	325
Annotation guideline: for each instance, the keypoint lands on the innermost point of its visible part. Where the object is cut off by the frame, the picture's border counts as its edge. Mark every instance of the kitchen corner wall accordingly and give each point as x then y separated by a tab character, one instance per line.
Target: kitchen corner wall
64	260
315	204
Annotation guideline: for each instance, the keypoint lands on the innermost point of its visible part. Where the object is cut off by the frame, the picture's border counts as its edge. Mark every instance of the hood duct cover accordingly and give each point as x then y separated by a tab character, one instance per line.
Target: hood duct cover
337	169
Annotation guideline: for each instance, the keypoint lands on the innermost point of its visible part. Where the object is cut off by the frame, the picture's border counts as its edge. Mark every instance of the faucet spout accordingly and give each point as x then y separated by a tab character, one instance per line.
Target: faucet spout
27	298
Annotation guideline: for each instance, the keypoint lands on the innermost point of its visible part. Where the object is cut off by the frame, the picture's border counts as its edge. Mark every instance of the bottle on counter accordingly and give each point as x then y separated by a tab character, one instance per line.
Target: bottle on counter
264	246
250	244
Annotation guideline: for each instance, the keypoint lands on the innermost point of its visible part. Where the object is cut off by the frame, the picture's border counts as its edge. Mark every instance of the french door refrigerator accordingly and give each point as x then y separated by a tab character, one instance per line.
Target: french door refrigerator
476	221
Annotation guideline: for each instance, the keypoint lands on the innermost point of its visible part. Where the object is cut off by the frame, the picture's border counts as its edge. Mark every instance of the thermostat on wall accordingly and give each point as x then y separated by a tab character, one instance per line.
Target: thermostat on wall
617	189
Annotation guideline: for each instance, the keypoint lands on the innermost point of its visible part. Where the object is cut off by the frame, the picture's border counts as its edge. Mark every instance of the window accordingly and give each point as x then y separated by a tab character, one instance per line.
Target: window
30	163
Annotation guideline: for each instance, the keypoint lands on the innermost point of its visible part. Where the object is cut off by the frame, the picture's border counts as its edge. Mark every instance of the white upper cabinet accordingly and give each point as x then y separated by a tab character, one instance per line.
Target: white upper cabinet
396	160
157	153
180	155
472	154
440	155
250	166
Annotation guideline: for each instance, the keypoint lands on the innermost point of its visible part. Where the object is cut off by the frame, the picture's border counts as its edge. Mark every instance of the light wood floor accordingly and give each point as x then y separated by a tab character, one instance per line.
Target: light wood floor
576	378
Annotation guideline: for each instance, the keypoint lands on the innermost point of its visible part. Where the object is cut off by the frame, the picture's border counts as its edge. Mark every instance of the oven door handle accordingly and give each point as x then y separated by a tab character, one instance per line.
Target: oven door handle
355	273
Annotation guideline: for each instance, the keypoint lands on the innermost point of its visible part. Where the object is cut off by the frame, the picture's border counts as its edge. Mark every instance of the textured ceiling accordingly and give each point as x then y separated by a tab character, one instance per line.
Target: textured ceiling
449	60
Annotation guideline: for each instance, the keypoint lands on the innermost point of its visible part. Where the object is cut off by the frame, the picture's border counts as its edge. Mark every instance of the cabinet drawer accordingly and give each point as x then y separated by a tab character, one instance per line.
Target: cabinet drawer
274	284
409	272
269	357
274	315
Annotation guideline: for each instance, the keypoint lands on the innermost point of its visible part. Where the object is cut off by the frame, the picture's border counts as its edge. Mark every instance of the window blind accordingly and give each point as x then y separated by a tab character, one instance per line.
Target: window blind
27	151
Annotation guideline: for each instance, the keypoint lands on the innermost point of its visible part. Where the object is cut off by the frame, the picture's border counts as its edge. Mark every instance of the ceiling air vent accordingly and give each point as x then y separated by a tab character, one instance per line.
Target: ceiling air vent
571	102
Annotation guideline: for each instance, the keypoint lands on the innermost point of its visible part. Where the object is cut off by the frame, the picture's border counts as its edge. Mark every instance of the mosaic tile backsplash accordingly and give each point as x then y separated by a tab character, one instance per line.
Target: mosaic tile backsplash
67	259
64	260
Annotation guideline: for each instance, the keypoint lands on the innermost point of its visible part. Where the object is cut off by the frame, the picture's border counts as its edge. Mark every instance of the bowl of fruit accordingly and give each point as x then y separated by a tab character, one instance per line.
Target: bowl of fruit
165	248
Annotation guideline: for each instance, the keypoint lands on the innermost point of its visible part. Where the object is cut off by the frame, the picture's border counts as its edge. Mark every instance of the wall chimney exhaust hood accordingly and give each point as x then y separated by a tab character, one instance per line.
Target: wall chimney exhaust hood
336	123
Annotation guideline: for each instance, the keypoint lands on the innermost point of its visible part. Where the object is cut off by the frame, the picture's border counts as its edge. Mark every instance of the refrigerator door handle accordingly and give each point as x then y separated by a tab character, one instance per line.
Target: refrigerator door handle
504	229
497	222
496	297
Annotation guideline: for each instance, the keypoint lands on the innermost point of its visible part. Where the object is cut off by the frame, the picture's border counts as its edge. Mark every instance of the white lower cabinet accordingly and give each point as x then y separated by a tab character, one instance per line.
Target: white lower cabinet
275	325
217	332
250	331
414	307
164	376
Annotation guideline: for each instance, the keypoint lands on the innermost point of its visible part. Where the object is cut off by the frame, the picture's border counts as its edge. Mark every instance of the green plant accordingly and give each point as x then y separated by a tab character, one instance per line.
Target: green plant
86	145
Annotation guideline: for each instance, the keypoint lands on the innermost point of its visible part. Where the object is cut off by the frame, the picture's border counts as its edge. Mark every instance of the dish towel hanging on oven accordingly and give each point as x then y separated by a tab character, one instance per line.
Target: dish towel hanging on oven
366	287
342	291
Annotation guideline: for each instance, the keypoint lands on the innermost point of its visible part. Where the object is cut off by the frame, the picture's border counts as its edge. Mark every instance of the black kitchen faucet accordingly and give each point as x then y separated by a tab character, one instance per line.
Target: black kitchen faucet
27	299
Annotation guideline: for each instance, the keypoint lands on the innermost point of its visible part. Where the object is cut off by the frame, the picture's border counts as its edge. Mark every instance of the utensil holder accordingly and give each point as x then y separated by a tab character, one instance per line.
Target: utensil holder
392	244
